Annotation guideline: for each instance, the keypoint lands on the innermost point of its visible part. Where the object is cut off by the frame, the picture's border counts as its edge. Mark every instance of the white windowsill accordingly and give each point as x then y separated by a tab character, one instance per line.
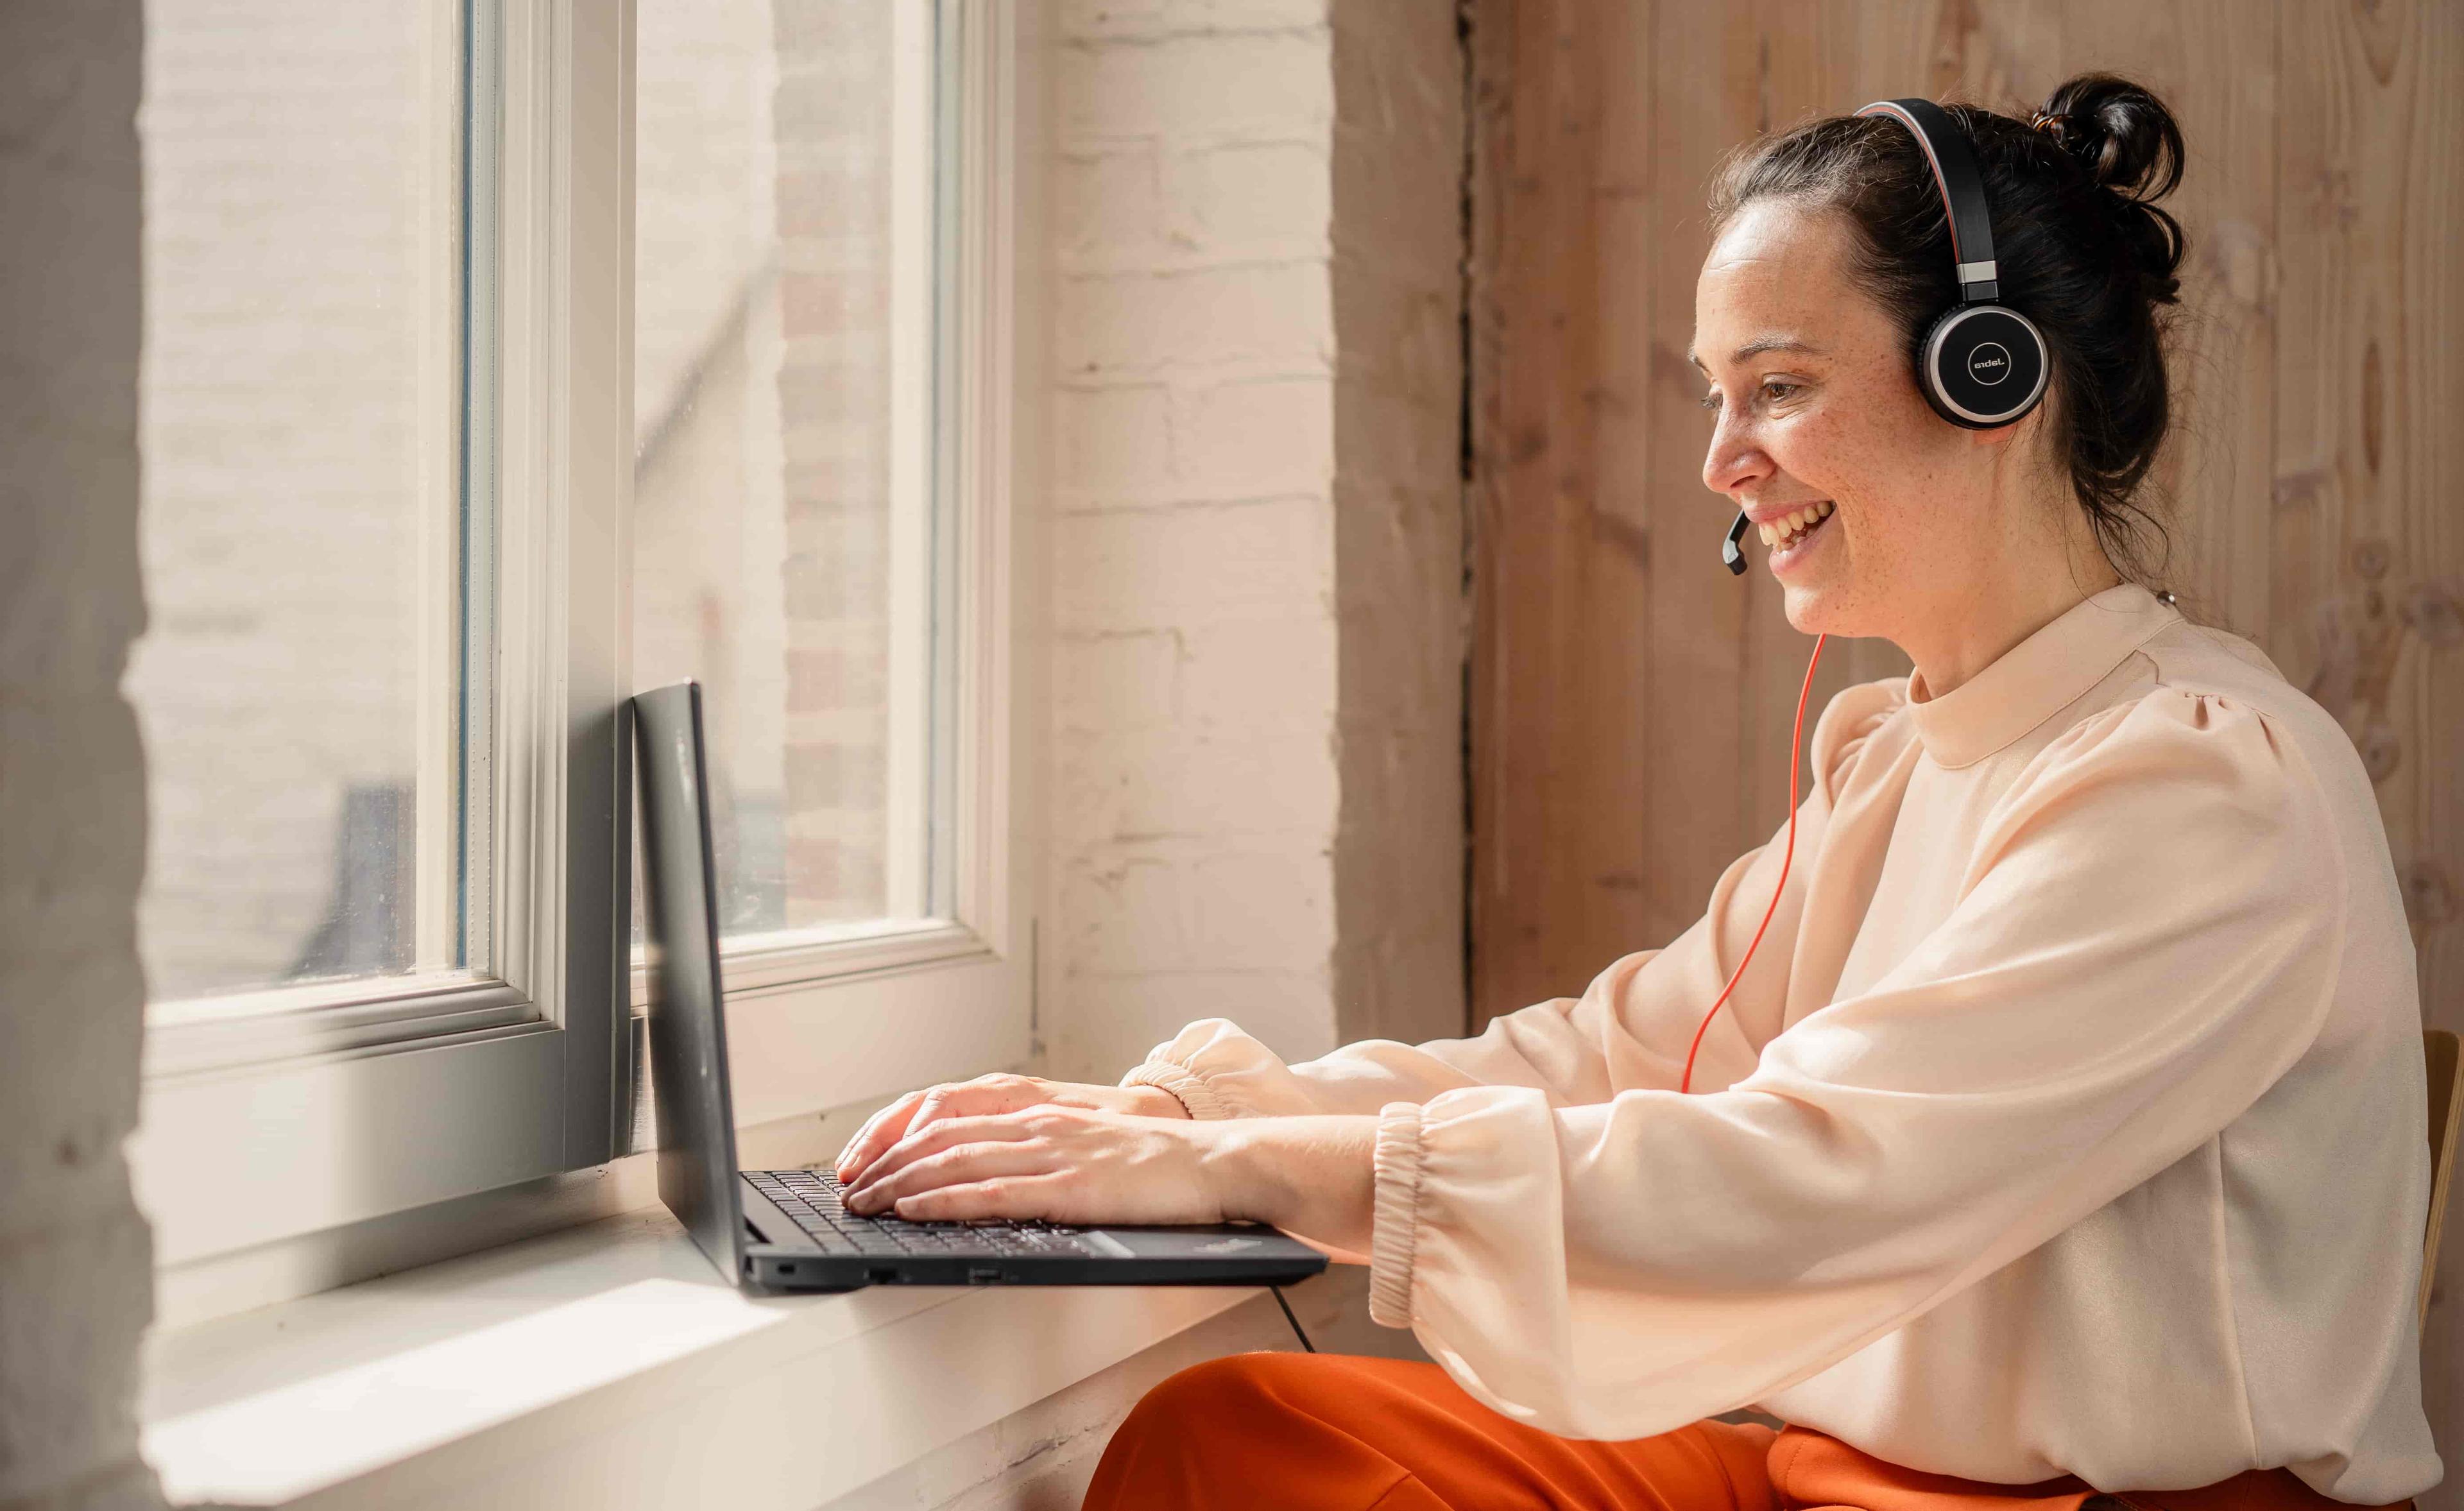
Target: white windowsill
608	1366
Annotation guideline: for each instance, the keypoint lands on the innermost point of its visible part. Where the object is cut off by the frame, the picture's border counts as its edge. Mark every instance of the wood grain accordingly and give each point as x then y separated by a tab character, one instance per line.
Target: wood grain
2367	550
1630	700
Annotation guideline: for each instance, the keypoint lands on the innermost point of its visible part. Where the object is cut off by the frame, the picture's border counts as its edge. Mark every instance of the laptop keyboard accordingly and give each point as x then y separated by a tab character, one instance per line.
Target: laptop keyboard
815	1202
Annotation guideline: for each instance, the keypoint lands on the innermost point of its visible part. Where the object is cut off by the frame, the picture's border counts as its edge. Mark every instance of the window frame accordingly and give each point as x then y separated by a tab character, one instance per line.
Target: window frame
287	1126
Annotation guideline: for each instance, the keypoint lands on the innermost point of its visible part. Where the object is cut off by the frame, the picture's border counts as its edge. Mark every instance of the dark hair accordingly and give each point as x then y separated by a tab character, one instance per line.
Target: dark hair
2084	250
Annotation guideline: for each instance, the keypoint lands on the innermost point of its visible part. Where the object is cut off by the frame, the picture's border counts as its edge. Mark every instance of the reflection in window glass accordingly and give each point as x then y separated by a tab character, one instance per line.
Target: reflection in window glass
296	492
783	517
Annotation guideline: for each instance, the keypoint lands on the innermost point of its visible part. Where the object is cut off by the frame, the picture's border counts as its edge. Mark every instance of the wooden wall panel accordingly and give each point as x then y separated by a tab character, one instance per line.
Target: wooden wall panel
1630	700
2368	552
1531	177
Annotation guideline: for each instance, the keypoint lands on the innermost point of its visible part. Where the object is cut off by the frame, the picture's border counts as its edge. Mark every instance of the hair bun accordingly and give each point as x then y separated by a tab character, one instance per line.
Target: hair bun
2131	148
2121	134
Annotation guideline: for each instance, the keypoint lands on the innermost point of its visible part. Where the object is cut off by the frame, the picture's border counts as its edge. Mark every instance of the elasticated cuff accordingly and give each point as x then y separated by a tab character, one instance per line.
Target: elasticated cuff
1198	1099
1396	1236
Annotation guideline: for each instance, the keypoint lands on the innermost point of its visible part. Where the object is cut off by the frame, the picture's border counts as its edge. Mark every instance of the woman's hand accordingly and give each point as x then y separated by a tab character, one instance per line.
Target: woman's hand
1062	1164
1311	1176
999	1092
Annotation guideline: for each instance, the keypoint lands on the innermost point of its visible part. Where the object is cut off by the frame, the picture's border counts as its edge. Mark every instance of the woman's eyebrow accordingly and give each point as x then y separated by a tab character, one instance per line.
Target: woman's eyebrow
1761	345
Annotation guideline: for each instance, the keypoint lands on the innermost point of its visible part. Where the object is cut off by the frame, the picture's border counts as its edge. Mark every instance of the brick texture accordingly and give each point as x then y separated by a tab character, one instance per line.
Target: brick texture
762	489
1257	535
834	292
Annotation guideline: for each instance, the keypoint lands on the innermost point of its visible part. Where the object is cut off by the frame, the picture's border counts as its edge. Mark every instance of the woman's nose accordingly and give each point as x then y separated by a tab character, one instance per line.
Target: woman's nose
1734	461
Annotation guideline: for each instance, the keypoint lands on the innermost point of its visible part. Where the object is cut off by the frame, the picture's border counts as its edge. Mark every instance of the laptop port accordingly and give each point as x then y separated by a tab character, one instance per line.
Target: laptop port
786	1269
982	1275
881	1277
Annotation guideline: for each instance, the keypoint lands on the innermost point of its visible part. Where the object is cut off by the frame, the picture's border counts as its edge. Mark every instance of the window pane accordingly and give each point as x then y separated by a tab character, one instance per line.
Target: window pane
782	486
298	526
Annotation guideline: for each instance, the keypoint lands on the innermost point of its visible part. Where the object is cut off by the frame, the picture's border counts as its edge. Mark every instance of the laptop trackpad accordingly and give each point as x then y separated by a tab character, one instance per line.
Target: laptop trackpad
1185	1243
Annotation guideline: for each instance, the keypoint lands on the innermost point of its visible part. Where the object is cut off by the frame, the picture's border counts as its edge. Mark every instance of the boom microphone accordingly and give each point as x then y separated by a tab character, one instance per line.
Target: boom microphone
1732	552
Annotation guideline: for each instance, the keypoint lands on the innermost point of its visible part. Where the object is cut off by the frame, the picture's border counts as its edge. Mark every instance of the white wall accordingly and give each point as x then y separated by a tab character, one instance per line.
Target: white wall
1257	532
75	1257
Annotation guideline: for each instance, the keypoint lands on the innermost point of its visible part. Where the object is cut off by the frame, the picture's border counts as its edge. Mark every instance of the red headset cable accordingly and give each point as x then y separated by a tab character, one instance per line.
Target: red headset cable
1795	746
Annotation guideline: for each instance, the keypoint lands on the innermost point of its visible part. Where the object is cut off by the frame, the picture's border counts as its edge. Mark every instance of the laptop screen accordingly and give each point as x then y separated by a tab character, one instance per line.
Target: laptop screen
688	1033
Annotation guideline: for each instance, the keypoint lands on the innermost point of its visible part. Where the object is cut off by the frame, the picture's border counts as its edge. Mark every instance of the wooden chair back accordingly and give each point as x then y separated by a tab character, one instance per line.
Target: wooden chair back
2445	1076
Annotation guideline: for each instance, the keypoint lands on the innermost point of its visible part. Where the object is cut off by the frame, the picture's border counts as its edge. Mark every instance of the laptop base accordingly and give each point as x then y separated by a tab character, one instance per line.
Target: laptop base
781	1253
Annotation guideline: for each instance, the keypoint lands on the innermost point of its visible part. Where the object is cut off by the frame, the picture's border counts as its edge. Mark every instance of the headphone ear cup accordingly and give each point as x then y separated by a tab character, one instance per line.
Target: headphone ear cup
1929	377
1982	365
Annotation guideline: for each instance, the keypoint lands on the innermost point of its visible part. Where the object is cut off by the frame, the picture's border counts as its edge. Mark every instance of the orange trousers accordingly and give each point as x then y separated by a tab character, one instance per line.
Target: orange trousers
1300	1432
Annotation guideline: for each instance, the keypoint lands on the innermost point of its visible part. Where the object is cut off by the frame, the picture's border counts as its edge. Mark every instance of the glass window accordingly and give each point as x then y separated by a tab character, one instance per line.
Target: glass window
303	679
784	492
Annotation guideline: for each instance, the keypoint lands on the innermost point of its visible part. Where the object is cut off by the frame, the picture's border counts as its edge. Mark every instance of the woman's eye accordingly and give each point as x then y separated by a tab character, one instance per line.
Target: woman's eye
1774	391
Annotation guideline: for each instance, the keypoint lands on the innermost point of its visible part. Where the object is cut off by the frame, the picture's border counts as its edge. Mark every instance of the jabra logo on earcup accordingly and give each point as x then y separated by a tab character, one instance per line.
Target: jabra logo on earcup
1989	363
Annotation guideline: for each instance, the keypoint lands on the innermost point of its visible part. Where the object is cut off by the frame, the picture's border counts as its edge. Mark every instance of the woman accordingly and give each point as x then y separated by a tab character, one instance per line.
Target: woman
2065	1133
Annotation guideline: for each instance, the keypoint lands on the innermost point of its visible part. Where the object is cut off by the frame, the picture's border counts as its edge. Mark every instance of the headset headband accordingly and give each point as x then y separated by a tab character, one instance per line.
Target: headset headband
1963	191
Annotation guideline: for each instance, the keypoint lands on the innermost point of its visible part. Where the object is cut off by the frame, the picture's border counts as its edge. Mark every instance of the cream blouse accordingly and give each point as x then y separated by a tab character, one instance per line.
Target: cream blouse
2070	1120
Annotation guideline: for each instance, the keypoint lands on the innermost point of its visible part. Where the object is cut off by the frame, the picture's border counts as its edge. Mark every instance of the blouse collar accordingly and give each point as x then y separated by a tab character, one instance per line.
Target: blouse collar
2037	678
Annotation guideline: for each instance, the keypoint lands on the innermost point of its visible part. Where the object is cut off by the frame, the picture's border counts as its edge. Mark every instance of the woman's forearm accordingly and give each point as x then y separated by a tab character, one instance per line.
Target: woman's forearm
1312	1175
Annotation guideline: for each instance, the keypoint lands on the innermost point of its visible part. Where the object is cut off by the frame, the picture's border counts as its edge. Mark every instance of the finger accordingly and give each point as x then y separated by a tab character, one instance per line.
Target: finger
959	1165
1000	1128
916	1110
870	1137
1005	1196
882	1130
985	1095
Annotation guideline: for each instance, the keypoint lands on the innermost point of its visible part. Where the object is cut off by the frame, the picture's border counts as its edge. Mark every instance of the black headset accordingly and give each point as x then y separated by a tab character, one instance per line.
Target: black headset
1982	363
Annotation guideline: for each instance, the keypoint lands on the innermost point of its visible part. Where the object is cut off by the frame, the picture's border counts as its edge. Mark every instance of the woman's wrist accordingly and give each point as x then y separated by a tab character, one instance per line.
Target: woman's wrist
1312	1175
1150	1101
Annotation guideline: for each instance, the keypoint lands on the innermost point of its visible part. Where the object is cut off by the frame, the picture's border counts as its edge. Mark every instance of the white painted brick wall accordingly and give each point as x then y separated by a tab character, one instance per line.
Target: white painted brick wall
75	1286
1186	296
1257	529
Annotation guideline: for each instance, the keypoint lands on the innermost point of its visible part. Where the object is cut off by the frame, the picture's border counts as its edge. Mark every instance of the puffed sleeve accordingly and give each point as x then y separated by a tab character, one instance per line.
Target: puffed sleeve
2145	939
1630	1028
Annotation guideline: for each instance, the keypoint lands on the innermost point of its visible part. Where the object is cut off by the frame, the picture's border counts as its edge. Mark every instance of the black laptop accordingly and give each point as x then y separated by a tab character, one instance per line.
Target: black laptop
788	1229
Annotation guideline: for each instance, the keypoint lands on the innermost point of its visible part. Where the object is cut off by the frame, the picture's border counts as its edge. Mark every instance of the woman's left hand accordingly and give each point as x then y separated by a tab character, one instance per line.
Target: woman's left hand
1069	1164
1309	1176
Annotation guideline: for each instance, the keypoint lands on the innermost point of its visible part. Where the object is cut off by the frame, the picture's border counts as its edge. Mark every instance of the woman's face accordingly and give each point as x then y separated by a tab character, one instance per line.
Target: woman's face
1879	507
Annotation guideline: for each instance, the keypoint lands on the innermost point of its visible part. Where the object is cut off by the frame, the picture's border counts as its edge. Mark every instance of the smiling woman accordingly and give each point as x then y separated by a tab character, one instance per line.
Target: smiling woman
2078	1068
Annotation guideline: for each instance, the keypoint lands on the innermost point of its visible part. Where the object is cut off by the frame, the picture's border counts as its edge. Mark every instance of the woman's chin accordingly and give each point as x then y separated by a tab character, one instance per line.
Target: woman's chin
1814	608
